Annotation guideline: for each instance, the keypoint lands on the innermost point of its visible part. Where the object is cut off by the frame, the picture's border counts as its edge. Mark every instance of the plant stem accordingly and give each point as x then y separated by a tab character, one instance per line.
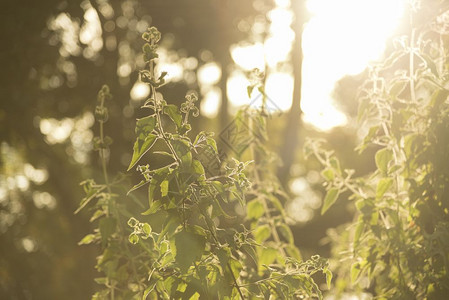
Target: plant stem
235	282
103	156
263	200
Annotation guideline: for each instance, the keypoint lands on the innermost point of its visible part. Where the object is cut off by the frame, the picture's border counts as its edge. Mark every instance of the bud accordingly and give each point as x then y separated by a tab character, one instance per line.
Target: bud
101	114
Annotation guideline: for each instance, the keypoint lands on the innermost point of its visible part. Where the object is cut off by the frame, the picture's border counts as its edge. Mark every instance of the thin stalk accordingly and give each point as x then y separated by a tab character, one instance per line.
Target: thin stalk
235	282
156	110
264	202
111	203
103	157
167	142
106	179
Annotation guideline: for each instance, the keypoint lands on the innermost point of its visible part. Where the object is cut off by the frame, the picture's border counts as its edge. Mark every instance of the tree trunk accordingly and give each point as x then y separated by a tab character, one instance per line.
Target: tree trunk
293	123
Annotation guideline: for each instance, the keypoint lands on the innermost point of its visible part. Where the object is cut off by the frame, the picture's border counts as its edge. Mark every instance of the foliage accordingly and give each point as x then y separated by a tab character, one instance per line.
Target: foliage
399	238
186	241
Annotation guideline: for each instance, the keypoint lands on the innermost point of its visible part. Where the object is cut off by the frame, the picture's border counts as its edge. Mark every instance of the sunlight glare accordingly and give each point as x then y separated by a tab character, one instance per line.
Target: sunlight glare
209	74
340	39
279	88
211	103
248	56
274	51
236	89
139	91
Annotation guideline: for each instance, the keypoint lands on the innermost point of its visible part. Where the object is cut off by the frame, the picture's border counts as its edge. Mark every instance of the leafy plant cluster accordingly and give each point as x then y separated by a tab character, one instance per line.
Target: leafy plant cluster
197	235
398	245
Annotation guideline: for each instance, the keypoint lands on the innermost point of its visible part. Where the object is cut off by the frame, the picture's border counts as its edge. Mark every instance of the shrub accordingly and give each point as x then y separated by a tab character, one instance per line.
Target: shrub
186	241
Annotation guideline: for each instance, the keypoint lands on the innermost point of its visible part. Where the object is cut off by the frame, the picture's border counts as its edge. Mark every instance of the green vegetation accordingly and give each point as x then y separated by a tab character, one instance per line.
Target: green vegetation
249	203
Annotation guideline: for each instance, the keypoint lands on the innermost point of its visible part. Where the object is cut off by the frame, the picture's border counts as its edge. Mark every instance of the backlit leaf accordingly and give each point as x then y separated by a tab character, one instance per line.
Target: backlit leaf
383	157
164	188
173	112
261	233
356	268
133	238
87	239
383	185
255	209
286	232
140	148
328	278
329	200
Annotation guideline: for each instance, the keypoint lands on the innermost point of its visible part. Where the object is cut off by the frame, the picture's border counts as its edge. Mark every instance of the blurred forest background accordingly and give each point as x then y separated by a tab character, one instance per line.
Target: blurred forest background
55	56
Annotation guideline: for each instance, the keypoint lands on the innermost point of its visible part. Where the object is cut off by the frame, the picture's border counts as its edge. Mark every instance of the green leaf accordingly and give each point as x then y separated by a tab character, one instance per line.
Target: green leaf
99	213
328	278
198	167
164	188
101	295
145	126
430	64
255	209
383	186
236	267
223	255
358	231
133	238
154	189
398	87
155	205
411	141
164	153
356	268
383	157
262	233
368	138
219	211
173	112
146	229
277	204
147	291
335	164
140	184
101	280
189	248
267	256
163	247
329	200
293	252
212	143
328	174
185	128
286	232
250	251
140	148
87	239
250	89
182	149
90	195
